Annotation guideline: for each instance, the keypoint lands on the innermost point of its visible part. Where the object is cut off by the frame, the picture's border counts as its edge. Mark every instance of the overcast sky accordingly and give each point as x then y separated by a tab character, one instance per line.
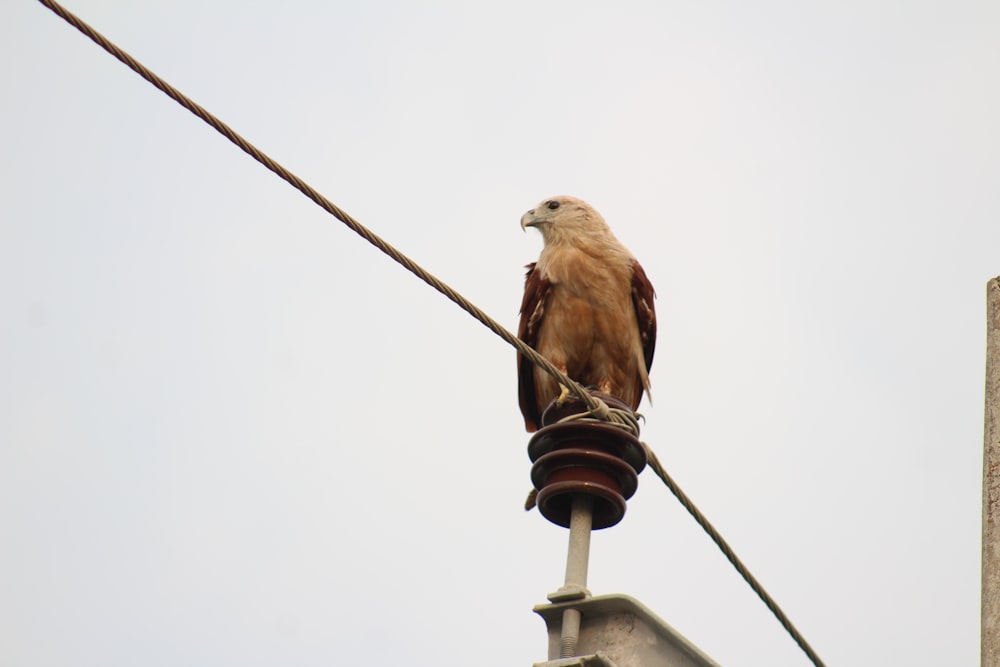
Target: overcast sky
234	434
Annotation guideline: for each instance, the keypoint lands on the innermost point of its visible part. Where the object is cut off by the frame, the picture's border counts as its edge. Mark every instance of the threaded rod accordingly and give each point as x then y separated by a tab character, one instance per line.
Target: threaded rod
577	560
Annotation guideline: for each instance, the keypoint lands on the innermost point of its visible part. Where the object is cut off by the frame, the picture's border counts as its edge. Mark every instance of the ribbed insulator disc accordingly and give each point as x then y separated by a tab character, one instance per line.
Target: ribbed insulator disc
555	502
584	457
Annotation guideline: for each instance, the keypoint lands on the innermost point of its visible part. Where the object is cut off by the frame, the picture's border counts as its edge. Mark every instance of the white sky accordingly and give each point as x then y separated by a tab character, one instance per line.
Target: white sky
232	433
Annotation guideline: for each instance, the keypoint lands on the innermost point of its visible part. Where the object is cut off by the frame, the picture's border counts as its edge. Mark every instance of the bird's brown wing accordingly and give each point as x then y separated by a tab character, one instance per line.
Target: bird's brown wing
645	313
536	292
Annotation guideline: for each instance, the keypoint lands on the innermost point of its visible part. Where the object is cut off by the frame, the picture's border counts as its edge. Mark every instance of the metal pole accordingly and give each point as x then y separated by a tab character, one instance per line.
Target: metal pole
577	560
990	638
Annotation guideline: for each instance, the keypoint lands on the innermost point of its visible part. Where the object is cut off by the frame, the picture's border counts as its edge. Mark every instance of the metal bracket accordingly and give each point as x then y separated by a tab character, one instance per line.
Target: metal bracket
596	660
620	631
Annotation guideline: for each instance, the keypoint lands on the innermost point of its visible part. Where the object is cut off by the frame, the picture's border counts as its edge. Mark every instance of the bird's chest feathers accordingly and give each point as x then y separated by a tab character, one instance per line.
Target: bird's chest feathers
589	322
589	317
584	285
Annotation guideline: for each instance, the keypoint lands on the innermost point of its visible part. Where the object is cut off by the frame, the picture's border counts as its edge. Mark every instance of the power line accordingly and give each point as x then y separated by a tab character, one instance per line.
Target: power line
597	408
731	556
260	156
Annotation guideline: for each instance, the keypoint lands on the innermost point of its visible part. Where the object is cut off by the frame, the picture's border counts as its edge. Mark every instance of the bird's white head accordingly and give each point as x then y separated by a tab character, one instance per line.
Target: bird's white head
565	219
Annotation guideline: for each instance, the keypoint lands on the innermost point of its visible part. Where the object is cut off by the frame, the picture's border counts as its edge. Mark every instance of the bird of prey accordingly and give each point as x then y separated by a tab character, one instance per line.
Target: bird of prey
587	308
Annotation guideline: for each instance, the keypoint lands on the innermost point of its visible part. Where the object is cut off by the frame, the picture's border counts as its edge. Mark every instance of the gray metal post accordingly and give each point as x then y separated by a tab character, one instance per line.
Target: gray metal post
578	553
990	637
577	560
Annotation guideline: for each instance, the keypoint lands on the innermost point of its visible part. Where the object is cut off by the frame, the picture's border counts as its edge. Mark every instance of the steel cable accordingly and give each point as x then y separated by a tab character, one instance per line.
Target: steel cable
731	556
595	405
598	408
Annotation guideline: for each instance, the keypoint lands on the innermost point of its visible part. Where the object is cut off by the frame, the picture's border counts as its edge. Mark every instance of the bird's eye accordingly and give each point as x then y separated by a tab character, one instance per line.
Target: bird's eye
552	204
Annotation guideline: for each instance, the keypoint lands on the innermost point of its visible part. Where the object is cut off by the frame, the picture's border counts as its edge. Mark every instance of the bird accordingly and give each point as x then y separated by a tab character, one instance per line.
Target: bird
587	308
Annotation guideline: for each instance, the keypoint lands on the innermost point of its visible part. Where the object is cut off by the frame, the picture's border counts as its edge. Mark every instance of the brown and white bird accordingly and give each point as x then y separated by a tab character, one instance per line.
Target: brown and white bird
587	308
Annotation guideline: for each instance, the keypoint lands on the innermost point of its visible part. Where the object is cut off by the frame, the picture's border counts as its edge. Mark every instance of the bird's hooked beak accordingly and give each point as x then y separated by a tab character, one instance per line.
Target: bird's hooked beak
529	220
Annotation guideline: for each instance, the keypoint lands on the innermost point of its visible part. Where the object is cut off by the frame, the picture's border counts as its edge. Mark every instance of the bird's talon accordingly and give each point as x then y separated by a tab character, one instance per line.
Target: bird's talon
564	395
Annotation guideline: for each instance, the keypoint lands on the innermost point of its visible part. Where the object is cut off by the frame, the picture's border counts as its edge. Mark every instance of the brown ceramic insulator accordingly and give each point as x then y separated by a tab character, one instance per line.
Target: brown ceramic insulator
555	502
584	457
563	473
585	465
595	436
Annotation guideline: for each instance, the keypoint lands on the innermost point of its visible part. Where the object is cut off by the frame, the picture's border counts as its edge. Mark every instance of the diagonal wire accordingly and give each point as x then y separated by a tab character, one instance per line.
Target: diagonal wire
731	556
594	404
597	407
